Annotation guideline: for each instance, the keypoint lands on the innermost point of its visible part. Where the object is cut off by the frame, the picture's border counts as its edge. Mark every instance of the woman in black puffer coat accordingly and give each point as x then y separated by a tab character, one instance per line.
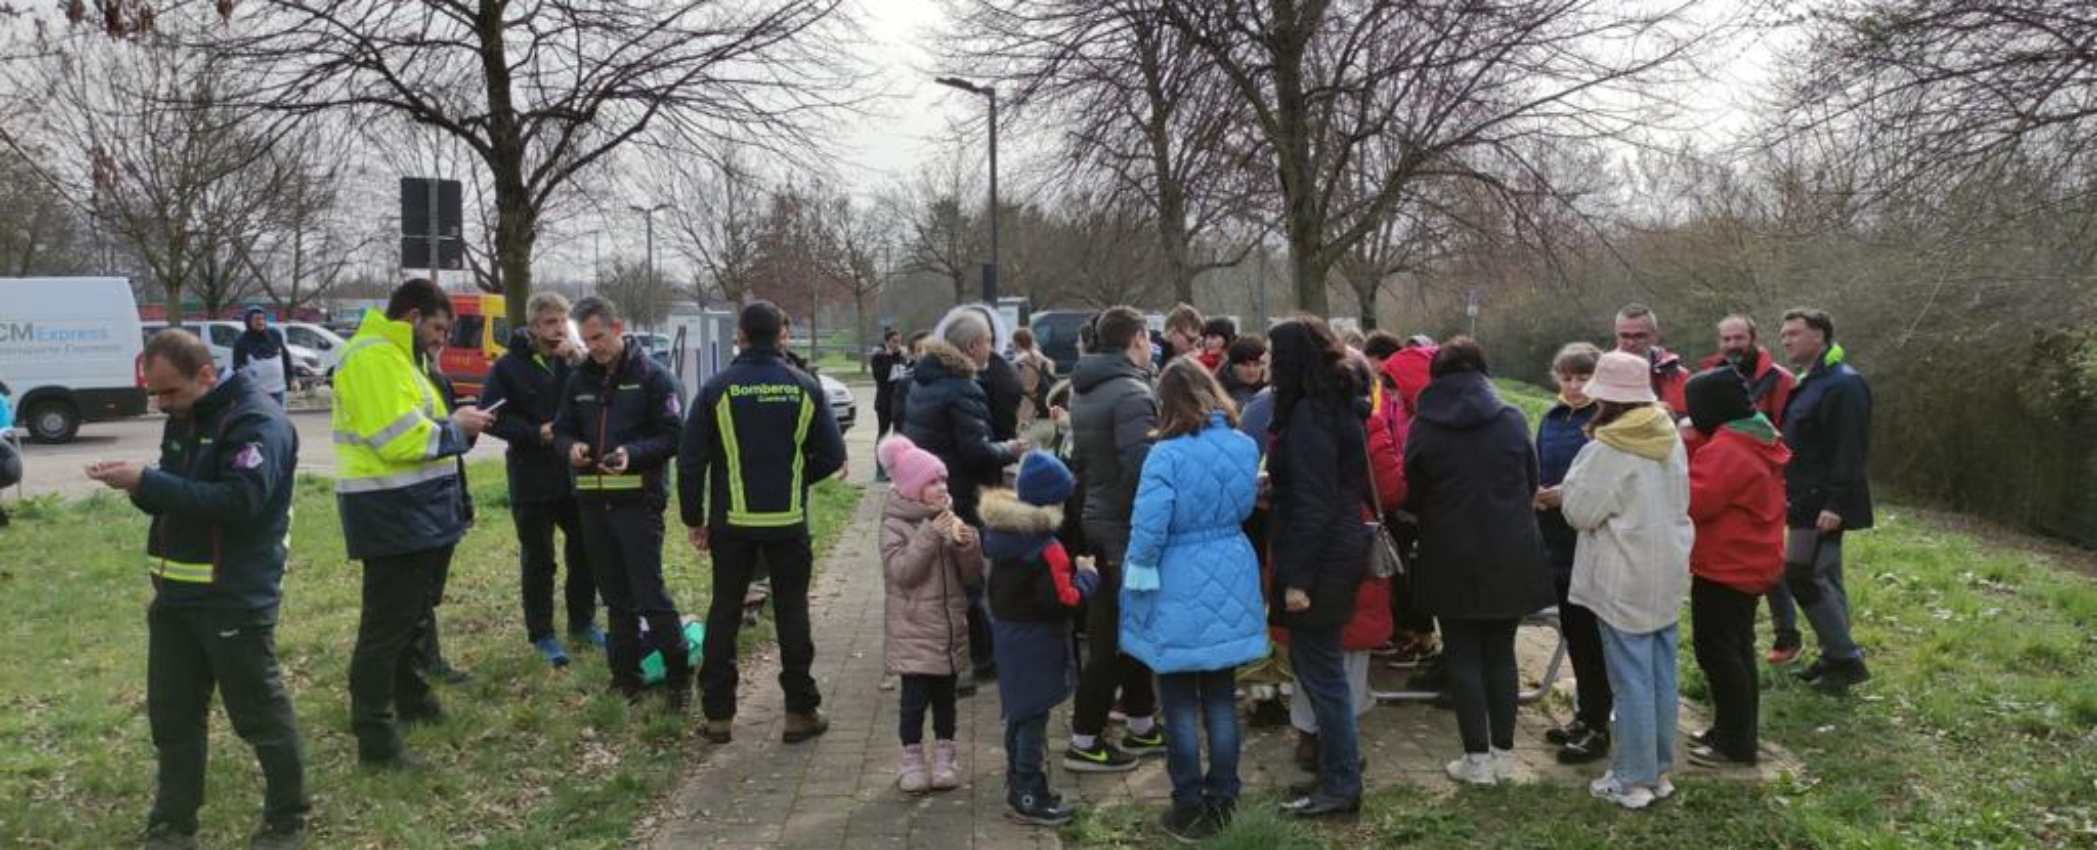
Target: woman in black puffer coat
1318	541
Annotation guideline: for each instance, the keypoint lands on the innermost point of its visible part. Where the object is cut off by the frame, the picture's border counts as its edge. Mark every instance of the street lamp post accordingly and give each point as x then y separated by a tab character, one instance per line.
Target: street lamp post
648	213
990	271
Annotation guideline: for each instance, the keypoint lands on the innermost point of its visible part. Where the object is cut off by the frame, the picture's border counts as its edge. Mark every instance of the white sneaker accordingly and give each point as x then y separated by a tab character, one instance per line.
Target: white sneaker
1663	789
1503	765
1473	769
1608	788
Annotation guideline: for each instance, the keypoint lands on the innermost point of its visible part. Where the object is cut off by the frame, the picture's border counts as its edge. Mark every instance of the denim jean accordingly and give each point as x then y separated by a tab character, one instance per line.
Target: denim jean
1321	673
1642	674
1026	757
1194	703
1830	614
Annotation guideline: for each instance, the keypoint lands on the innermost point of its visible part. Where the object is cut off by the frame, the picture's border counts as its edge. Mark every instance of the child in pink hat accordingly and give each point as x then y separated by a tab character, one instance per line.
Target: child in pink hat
928	556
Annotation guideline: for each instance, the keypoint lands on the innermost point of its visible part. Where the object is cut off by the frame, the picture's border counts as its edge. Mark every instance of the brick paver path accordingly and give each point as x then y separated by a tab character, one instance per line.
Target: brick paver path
838	791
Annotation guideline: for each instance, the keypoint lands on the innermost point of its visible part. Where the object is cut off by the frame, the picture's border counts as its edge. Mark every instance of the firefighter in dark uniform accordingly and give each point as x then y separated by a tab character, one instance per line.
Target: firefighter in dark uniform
530	377
221	506
760	433
618	427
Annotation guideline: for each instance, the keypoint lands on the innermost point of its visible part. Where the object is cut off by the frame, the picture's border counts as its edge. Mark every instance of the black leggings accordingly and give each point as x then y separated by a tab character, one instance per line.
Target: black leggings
1481	661
919	691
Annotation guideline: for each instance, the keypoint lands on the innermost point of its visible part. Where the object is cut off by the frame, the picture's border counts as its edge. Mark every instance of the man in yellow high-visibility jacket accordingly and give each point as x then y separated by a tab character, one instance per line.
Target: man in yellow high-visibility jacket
397	487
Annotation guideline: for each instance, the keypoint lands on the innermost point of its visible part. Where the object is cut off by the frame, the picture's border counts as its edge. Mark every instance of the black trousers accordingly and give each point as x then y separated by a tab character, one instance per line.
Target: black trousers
428	655
1482	680
1725	648
920	692
790	563
884	418
189	653
385	681
535	524
1106	669
625	543
1593	700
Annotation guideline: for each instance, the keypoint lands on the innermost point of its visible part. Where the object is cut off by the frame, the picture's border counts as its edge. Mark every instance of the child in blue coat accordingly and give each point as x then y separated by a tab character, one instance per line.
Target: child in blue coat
1191	606
1034	589
1559	437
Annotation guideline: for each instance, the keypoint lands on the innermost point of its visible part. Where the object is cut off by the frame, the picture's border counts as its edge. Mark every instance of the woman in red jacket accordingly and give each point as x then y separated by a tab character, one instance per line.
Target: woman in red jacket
1736	498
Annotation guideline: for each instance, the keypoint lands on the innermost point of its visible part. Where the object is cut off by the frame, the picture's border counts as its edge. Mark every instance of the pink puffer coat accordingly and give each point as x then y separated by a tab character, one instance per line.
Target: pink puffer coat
927	608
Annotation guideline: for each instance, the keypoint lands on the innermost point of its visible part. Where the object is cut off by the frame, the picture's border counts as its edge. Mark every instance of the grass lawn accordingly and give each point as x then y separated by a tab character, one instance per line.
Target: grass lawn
531	757
1979	729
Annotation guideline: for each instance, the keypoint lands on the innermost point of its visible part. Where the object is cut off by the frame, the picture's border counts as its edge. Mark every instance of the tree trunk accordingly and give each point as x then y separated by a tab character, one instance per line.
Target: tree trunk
1365	295
1303	220
1172	236
516	236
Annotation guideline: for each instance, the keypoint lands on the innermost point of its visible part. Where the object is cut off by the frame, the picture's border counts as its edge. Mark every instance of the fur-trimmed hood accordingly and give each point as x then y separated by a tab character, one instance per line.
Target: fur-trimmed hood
940	359
1003	511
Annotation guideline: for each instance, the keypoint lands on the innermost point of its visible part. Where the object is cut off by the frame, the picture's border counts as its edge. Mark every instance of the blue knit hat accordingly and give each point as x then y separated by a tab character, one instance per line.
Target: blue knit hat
1043	480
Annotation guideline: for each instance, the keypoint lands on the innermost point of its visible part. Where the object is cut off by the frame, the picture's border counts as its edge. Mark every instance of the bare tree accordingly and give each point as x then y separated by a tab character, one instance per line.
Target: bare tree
541	92
313	242
713	221
1133	100
142	138
1934	92
643	296
865	241
40	233
940	236
1321	78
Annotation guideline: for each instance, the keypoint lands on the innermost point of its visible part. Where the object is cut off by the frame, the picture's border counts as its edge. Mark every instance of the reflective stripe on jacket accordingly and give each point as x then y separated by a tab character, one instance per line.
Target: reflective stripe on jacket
221	501
396	483
760	433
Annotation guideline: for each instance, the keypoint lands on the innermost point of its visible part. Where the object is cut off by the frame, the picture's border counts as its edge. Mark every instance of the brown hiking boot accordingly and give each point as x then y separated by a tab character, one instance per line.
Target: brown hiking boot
801	727
716	731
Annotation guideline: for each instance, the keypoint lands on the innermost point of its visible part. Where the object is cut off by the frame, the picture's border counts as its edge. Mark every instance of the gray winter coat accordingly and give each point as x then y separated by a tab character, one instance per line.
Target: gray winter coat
1112	415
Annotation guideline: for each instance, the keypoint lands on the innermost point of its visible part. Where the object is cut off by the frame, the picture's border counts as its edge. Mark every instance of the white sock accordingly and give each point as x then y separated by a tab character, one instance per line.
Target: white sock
1142	725
1083	742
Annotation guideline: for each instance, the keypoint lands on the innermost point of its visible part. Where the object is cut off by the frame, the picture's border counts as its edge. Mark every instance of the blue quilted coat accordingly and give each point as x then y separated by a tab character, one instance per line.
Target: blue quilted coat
1190	597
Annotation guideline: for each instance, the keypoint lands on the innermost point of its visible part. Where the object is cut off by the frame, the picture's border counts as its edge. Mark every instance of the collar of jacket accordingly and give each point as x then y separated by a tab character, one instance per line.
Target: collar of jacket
1567	408
400	333
1647	431
630	358
220	398
1829	359
942	353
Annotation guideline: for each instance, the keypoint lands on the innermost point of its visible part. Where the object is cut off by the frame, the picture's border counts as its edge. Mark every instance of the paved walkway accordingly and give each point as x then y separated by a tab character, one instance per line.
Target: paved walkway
839	791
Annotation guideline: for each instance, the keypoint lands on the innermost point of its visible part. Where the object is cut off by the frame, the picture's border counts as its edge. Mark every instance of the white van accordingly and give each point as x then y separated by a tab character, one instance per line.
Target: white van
69	348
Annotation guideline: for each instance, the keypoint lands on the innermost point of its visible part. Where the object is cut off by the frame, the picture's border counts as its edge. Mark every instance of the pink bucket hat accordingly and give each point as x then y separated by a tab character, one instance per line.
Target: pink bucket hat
912	469
1622	378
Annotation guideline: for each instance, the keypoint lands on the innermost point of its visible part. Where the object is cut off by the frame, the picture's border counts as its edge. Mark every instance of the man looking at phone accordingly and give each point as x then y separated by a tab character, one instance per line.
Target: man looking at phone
524	394
398	489
618	427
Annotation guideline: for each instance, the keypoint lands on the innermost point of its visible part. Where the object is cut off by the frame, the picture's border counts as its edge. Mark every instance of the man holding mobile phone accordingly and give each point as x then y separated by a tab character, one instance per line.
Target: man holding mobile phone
619	422
524	395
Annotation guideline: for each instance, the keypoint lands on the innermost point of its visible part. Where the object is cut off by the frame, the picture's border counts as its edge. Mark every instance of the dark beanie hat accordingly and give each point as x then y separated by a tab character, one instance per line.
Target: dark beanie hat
1043	480
1716	397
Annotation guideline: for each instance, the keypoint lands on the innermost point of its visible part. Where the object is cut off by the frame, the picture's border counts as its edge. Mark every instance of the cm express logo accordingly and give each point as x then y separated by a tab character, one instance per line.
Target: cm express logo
33	332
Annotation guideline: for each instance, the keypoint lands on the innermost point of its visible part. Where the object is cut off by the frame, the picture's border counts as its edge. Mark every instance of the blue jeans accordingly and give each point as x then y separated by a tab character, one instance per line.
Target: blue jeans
1830	614
1642	675
1321	671
1026	757
1194	703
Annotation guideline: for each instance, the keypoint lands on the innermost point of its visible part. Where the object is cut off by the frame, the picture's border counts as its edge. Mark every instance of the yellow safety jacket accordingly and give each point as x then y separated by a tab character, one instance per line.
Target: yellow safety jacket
396	484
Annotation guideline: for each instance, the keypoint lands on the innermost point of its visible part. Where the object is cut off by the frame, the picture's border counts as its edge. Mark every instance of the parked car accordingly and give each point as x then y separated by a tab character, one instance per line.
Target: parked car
323	342
69	348
842	404
1056	334
219	336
